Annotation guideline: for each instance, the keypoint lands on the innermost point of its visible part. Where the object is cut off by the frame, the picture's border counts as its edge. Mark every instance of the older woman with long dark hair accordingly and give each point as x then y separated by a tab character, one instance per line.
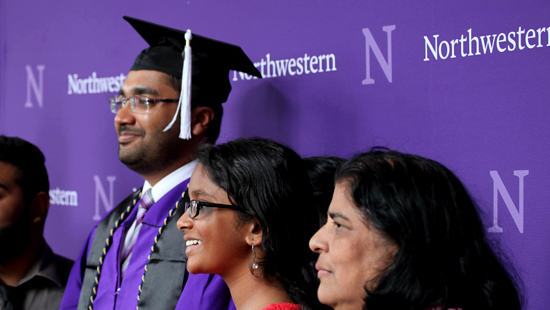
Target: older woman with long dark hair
249	220
403	233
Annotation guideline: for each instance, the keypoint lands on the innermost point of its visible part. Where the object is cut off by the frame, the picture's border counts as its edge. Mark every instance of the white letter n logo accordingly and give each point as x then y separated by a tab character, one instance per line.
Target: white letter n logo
371	44
100	193
37	88
498	187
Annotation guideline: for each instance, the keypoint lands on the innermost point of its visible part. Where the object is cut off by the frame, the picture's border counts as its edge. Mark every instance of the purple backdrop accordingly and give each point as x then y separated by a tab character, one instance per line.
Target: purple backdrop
464	83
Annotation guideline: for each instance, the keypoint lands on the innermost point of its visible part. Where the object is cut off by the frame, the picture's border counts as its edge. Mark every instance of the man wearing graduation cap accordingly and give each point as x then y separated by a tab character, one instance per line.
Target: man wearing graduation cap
135	257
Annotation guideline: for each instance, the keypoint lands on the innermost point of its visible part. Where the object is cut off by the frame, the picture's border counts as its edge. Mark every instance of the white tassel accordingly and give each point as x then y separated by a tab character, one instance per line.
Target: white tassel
185	97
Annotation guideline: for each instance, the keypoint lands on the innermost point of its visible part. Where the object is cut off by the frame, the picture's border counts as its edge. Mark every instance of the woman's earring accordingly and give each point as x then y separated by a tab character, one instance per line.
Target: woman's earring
254	265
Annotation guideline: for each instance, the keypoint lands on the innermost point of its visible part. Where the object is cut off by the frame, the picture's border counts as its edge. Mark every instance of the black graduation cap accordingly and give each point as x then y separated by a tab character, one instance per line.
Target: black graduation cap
208	71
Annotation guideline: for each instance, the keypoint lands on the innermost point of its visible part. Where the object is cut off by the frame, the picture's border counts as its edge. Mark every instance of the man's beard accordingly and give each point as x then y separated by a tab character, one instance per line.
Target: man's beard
151	154
143	159
15	237
135	155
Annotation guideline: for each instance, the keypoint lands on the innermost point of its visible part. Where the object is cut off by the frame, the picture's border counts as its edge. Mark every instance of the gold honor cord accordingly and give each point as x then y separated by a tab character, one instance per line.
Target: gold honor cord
161	229
108	243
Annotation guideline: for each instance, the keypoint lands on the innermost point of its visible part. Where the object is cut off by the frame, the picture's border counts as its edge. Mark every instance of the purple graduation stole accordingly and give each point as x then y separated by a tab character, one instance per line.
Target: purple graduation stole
165	259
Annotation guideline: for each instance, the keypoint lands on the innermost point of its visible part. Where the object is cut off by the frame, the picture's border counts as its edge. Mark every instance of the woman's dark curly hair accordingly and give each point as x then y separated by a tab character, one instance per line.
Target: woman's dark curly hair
444	256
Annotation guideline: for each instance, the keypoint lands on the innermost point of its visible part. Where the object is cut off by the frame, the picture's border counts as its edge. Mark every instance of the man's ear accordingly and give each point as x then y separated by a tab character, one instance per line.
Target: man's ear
254	233
201	118
40	205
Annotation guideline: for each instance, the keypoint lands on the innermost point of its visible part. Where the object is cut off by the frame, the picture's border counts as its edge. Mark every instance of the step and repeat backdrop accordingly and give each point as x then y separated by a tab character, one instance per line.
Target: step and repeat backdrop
466	83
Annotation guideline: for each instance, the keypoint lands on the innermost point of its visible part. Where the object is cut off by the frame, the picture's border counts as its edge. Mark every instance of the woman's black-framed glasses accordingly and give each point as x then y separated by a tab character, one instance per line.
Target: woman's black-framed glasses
138	103
194	207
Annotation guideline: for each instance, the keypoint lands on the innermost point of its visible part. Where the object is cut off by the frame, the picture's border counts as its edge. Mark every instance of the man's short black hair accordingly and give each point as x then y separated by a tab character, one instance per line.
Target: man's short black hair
213	131
29	161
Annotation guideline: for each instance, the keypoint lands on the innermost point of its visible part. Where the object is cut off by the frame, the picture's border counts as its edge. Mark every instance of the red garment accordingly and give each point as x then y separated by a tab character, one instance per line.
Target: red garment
283	306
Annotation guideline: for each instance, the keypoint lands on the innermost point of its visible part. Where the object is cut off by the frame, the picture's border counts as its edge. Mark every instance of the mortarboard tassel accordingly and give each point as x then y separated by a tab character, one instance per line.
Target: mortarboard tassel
185	97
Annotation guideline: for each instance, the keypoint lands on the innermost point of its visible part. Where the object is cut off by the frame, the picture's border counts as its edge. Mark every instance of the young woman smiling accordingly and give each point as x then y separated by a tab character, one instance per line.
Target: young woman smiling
249	220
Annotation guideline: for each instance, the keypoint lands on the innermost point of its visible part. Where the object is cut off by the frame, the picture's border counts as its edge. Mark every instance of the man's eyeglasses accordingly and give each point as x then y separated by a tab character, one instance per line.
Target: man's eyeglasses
138	103
194	207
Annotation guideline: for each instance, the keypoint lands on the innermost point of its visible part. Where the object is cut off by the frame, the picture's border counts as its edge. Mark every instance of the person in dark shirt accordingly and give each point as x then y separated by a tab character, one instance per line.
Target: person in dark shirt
31	275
